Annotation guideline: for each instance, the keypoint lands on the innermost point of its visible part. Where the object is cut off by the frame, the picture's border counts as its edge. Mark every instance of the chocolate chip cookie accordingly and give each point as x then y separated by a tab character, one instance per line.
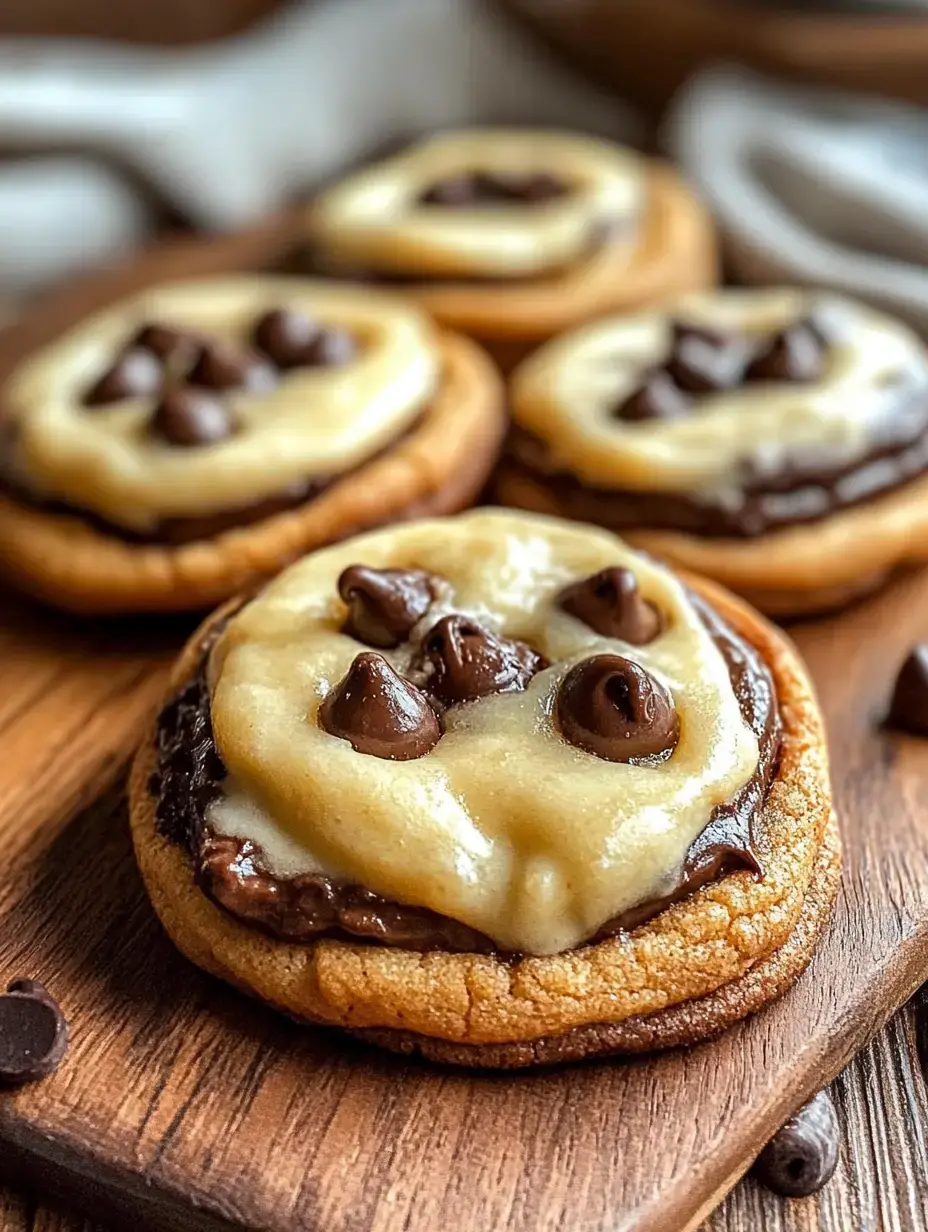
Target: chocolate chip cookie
774	440
497	789
514	235
192	439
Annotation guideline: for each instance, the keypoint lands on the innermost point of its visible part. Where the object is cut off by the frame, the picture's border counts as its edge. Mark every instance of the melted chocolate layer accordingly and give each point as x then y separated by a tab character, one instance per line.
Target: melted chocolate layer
803	490
232	871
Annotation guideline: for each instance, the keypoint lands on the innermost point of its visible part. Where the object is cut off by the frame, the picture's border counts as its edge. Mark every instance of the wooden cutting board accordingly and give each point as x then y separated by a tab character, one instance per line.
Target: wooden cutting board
181	1104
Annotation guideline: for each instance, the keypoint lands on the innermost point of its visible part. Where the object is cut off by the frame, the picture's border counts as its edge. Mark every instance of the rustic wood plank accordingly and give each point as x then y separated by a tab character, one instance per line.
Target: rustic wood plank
183	1105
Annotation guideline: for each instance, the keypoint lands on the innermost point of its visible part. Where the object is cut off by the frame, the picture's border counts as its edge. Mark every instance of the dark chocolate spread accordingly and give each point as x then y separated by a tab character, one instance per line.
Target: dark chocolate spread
231	871
803	490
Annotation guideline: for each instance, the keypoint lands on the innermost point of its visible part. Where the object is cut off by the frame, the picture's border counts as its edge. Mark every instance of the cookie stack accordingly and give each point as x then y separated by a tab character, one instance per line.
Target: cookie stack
509	786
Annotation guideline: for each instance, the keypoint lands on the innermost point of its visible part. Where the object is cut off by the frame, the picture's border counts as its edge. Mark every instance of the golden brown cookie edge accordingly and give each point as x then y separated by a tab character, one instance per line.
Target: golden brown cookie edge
462	999
439	467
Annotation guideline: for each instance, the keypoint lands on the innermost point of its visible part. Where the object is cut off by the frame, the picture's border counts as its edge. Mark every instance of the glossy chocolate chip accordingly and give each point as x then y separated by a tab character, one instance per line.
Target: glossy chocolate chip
612	604
908	709
468	661
330	348
33	1033
135	374
191	417
795	354
384	604
163	341
802	1156
613	708
702	361
224	366
380	713
658	397
284	334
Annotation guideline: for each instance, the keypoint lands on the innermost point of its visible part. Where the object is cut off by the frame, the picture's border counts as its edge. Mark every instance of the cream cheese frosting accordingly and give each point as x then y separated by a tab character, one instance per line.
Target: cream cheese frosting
503	825
313	423
567	392
375	219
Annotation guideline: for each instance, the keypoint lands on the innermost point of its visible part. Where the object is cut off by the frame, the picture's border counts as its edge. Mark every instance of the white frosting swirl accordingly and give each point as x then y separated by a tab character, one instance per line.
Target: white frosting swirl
374	219
503	825
314	422
567	393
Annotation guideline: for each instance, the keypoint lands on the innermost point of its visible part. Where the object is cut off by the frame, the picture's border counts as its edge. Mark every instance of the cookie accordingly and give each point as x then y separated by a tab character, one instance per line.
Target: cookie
193	439
773	440
512	236
456	786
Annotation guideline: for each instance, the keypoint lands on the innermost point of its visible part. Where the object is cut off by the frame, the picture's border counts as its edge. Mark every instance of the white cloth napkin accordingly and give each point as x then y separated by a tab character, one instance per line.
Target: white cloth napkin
811	186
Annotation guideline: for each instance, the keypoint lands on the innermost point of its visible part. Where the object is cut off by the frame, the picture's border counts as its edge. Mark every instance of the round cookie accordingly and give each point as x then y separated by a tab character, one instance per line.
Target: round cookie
512	236
774	440
714	954
194	438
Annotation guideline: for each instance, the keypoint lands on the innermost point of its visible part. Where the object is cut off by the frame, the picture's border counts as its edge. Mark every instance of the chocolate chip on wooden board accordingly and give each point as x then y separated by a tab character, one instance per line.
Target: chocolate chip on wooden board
802	1156
908	707
33	1033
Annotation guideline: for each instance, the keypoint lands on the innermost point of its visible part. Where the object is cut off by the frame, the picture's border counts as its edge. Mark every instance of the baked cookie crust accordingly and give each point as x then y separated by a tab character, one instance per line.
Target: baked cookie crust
439	467
694	969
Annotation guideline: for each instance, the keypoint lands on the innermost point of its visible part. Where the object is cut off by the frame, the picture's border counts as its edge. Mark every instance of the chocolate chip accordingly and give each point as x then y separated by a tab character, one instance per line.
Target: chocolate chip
293	340
613	708
908	709
190	417
702	361
33	1033
612	604
284	334
224	366
658	397
467	661
135	374
488	187
380	713
383	604
802	1156
163	341
330	348
454	191
796	354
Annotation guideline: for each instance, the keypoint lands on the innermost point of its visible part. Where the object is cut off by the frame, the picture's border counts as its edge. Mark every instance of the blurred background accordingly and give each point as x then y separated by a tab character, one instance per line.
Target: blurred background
803	124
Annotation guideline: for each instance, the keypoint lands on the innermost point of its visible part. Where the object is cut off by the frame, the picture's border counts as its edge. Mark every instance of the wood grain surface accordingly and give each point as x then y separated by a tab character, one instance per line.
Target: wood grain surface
183	1105
881	1181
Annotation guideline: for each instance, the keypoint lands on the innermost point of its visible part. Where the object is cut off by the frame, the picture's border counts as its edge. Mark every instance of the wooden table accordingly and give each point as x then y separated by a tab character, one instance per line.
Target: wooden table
881	1181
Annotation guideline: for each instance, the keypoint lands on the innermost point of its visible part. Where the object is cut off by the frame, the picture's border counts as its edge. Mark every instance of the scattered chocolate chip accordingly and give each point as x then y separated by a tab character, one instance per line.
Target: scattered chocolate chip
702	361
487	187
163	341
223	366
796	354
908	709
135	374
802	1156
33	1033
612	604
383	604
613	708
380	713
658	397
190	417
468	661
284	334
